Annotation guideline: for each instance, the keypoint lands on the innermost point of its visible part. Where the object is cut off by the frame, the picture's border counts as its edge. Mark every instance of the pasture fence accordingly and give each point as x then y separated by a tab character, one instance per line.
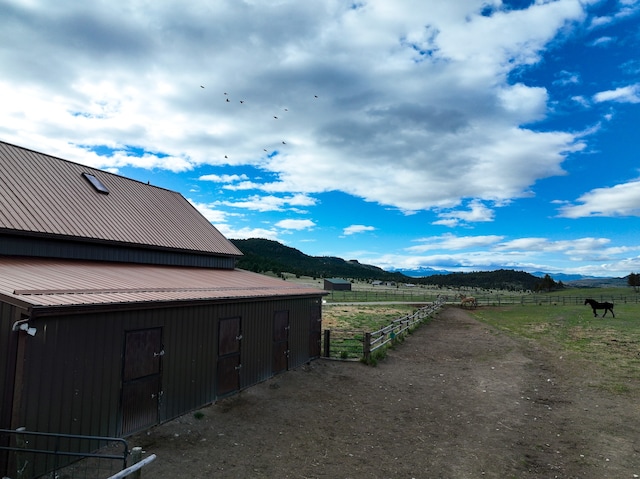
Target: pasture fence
419	295
550	299
349	344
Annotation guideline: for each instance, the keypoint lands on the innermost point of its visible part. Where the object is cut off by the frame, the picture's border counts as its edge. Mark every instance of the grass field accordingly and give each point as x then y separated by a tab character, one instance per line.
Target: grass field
362	317
610	344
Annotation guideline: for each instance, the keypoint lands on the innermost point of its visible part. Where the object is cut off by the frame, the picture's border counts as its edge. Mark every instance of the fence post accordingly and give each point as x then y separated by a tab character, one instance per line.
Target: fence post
327	343
136	457
366	346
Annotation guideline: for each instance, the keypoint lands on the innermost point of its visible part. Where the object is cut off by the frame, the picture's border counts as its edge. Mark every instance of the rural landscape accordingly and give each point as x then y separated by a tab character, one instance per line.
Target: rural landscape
320	240
533	387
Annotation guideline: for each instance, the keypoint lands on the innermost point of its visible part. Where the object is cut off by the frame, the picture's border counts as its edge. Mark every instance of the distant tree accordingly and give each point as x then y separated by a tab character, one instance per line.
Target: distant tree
547	284
633	280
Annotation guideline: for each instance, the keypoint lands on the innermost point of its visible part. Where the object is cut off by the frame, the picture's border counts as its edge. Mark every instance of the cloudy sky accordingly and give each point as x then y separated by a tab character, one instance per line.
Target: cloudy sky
468	135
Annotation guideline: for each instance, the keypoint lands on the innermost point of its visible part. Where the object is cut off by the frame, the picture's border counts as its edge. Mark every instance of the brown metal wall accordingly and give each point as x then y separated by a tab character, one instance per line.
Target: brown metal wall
74	364
72	375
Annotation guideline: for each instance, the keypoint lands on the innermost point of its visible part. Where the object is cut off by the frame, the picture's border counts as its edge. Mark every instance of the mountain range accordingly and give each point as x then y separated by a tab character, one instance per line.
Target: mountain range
262	255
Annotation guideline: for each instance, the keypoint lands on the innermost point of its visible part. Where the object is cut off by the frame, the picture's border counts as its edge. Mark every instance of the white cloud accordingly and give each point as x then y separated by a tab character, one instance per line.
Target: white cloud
272	203
619	200
414	105
290	224
215	216
477	213
567	78
602	41
626	94
246	233
353	229
528	253
223	178
452	242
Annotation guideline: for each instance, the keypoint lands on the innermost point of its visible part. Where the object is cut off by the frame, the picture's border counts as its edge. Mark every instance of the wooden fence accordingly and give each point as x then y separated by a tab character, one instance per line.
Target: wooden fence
549	299
419	295
345	344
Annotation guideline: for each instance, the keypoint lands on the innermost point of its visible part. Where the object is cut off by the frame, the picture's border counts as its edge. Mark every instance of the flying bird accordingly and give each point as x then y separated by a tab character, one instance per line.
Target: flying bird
228	100
276	117
241	101
201	86
283	143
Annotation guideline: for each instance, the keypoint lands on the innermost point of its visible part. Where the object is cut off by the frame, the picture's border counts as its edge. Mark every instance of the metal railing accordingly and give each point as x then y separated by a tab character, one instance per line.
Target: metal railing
28	454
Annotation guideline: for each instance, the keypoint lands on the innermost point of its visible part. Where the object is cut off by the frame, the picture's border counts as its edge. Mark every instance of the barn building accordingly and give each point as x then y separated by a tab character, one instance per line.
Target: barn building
337	284
121	307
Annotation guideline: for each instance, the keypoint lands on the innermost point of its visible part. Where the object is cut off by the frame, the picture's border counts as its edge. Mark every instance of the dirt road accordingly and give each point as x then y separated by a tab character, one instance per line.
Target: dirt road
455	400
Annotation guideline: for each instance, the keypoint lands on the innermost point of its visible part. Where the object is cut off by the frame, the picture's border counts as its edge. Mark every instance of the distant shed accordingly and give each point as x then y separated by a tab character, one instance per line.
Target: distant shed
121	307
337	284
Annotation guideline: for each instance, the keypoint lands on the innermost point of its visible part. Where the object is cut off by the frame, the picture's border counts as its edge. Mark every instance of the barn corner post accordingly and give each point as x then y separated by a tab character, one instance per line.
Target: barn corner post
327	343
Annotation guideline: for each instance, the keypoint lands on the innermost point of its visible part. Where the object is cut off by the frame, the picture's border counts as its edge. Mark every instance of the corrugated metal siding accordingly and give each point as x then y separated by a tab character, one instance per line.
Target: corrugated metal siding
73	375
8	345
47	195
76	362
13	245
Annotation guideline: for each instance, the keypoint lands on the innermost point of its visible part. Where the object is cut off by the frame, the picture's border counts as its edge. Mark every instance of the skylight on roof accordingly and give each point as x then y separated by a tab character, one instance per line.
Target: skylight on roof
96	183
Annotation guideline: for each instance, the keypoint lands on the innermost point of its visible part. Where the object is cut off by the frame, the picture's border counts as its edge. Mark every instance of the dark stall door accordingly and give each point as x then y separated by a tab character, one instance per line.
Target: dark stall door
280	341
141	387
315	331
229	340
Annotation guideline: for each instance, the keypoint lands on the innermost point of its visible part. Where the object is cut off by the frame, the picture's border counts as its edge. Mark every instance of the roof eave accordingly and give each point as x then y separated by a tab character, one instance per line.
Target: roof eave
37	311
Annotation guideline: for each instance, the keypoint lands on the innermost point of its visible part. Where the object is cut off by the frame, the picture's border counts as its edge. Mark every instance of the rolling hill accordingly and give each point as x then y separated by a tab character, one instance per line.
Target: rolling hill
262	255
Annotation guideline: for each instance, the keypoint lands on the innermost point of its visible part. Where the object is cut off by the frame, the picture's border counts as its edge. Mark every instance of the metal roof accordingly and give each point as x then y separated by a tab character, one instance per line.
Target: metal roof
44	195
40	282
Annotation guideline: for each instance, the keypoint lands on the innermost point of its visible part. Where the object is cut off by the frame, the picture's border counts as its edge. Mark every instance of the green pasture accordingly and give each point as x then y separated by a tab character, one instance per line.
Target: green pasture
363	317
609	345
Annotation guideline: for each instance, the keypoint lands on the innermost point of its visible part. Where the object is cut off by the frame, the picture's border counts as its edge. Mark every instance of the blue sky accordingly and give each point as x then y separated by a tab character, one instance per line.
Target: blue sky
468	135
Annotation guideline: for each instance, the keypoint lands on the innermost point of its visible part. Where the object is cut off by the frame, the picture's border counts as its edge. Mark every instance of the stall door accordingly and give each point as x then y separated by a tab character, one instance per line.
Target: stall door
141	379
315	331
229	338
280	341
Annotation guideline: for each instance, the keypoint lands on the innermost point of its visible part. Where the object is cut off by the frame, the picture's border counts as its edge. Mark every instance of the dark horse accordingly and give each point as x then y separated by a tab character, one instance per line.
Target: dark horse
595	305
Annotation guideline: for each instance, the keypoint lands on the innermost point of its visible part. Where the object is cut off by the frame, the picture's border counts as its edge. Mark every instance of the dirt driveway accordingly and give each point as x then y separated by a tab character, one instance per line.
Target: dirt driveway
455	400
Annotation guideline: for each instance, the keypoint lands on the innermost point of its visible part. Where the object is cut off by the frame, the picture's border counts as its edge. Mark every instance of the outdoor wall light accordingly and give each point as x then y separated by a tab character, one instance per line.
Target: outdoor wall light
30	331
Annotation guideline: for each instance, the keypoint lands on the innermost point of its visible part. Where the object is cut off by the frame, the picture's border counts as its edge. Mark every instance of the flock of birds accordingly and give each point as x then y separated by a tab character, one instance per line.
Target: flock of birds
275	117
